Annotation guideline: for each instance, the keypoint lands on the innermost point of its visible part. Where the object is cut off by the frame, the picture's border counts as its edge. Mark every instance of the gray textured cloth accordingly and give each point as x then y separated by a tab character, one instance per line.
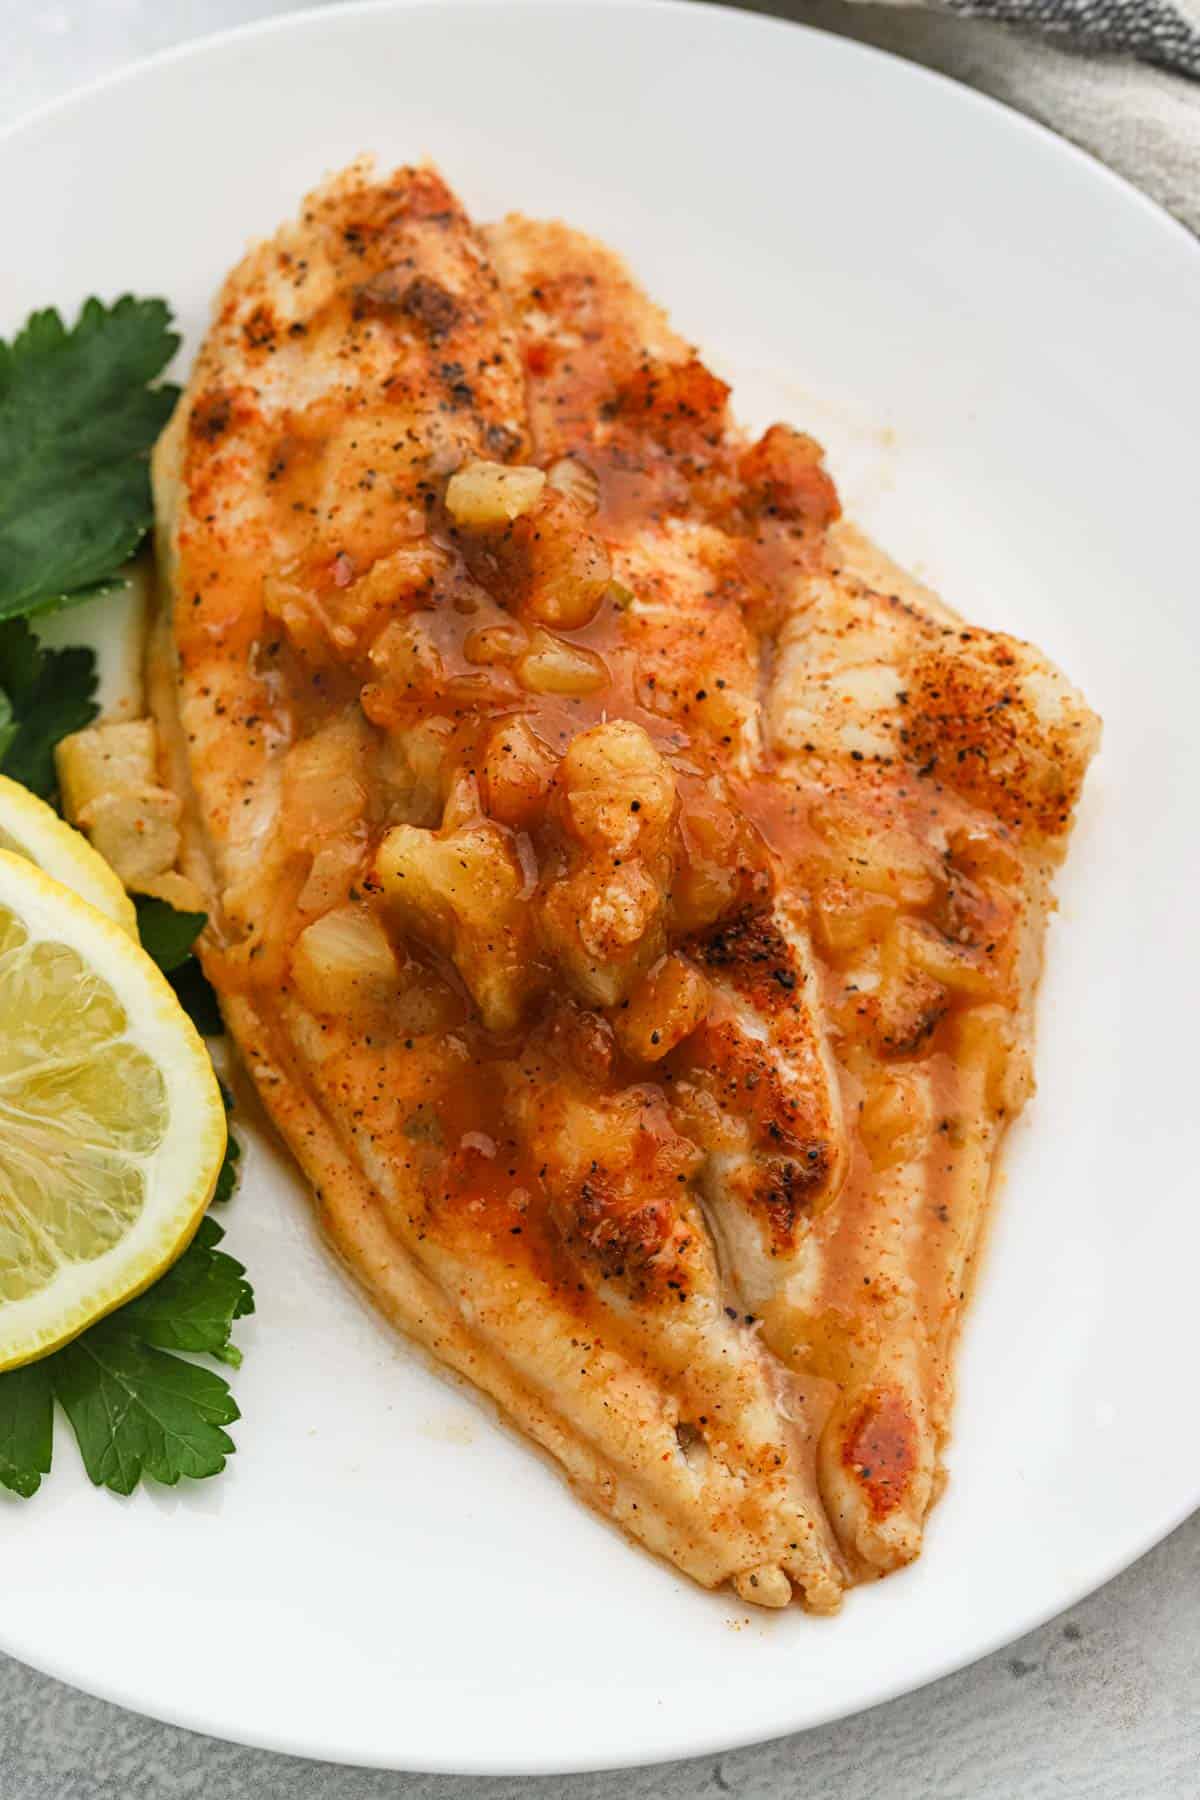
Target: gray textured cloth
1151	29
1108	74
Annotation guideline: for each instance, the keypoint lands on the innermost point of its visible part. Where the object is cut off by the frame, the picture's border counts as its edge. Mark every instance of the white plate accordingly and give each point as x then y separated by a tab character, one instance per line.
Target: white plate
997	340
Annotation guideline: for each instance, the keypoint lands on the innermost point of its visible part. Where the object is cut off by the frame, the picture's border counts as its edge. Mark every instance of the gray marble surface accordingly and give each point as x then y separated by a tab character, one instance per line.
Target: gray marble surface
1102	1704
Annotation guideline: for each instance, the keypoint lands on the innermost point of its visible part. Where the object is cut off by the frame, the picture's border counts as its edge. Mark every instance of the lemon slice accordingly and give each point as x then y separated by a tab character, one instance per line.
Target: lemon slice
30	828
112	1127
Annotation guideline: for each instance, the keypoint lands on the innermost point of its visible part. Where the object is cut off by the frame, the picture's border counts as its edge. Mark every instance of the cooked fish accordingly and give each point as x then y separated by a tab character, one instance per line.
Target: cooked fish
626	888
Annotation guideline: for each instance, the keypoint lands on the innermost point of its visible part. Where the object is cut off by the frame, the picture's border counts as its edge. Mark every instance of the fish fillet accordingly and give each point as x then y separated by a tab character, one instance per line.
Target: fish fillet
626	888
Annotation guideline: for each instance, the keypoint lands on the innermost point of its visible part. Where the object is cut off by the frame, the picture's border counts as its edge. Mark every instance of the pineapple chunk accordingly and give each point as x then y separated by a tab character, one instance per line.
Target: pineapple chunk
483	496
102	760
136	831
464	892
344	963
553	666
108	779
179	891
666	1006
603	919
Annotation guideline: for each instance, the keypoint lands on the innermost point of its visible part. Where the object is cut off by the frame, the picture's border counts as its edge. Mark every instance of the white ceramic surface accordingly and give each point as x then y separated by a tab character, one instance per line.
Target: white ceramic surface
996	340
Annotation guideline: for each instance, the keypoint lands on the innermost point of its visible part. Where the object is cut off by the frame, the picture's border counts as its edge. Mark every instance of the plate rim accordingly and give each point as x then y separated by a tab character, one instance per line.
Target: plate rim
747	14
1168	1519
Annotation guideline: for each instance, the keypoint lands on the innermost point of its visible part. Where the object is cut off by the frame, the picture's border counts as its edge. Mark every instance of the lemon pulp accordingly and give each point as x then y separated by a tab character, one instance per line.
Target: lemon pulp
112	1126
80	1112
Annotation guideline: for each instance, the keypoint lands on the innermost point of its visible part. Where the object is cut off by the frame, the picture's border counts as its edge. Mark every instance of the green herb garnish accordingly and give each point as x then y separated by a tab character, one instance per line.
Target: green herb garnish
78	419
26	1428
228	1173
136	1408
44	696
168	936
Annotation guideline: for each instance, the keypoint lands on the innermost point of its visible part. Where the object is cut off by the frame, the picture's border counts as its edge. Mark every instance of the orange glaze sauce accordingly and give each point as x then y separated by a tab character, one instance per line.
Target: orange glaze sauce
438	1103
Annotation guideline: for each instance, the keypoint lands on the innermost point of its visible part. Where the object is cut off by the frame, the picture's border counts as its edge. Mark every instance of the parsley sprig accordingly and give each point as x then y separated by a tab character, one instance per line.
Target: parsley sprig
80	408
78	419
79	413
135	1407
44	695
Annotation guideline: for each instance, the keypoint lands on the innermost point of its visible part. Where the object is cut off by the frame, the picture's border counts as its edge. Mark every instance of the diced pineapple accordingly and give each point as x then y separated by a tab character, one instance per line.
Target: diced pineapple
553	666
482	496
491	644
406	658
895	1120
344	963
618	791
961	968
107	778
324	790
665	1007
136	831
848	918
716	846
988	1041
102	760
334	868
179	891
603	920
567	568
517	772
464	893
412	768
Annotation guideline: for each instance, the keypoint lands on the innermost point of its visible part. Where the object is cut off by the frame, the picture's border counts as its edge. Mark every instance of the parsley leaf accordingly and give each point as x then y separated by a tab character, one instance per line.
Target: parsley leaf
8	725
26	1428
227	1174
136	1411
77	422
196	996
44	695
78	418
193	1306
167	935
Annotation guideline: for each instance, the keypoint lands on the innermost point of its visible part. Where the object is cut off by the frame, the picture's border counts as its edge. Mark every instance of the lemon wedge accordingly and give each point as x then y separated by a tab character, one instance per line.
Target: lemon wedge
112	1128
30	828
